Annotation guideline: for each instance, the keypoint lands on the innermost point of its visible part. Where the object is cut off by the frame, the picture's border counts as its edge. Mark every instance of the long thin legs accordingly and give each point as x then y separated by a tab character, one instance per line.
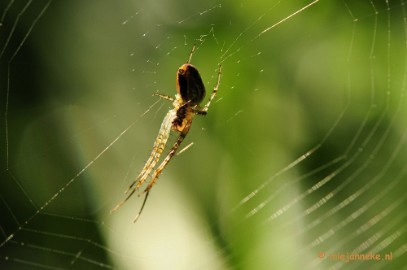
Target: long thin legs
204	110
160	168
158	148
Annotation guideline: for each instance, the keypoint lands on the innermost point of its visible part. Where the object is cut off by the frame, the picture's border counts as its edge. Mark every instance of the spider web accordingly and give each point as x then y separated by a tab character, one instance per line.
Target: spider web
299	164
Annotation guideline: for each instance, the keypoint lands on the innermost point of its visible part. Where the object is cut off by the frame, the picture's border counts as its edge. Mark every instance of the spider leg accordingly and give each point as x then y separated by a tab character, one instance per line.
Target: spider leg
142	207
158	148
167	159
191	53
122	202
164	96
158	171
204	110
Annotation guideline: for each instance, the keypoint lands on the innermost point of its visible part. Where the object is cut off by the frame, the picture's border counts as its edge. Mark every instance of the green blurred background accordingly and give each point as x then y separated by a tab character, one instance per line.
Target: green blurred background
309	122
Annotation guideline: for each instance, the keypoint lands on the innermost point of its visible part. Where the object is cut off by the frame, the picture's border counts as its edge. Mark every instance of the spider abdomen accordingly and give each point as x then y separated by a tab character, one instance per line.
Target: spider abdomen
189	84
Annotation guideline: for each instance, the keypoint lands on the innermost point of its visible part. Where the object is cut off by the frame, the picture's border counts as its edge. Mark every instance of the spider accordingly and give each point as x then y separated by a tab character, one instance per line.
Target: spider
190	93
